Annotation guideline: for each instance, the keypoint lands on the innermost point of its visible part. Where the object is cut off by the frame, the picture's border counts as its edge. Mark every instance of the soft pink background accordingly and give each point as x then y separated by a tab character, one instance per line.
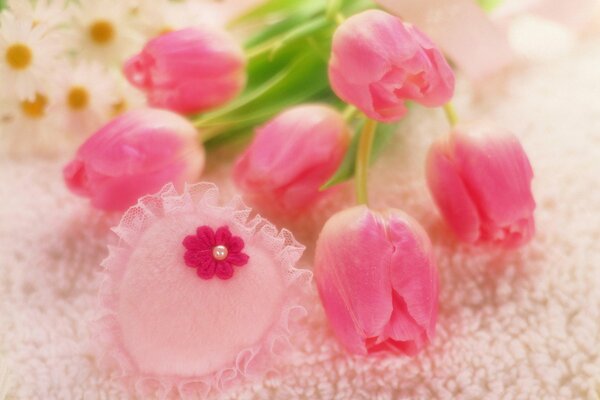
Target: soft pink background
511	325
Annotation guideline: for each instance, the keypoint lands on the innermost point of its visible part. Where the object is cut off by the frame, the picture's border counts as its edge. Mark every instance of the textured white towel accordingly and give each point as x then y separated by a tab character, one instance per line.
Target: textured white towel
512	325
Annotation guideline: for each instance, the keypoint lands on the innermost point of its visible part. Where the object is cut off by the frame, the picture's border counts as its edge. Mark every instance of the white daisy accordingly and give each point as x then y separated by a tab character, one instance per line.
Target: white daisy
50	13
158	17
103	31
127	98
28	127
84	98
27	52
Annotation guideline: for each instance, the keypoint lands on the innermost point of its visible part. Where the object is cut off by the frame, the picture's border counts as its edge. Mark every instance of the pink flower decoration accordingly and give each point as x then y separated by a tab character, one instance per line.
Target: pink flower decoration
173	335
377	280
480	178
214	253
190	70
135	154
378	62
291	157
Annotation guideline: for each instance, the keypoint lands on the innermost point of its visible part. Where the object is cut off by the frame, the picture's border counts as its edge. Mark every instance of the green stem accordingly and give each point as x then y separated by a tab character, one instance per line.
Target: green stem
333	9
365	145
206	134
261	49
450	114
349	113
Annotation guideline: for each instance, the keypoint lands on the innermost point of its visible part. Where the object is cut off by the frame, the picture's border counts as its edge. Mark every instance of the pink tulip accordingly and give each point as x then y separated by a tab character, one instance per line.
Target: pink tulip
291	157
378	62
134	155
480	179
190	70
377	280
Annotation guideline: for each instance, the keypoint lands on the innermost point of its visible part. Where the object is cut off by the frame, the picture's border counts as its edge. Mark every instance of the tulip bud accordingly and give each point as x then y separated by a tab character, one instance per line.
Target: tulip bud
378	62
291	157
480	179
377	280
135	154
189	70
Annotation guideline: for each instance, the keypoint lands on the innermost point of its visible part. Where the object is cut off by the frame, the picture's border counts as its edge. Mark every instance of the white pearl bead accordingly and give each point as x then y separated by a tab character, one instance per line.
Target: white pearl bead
220	252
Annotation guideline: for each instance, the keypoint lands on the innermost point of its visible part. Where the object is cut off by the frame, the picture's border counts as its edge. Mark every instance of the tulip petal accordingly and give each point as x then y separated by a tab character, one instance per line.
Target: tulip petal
352	263
368	44
450	193
497	173
409	347
414	277
189	70
378	62
76	179
119	192
339	315
291	156
141	140
402	326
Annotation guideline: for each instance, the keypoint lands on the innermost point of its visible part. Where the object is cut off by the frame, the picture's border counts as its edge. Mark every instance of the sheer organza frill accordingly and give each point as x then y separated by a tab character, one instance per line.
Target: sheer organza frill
251	361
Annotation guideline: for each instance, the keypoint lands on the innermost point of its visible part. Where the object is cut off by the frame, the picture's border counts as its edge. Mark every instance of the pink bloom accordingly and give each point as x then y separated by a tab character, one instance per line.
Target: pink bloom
291	157
377	280
480	179
190	70
378	62
135	154
214	253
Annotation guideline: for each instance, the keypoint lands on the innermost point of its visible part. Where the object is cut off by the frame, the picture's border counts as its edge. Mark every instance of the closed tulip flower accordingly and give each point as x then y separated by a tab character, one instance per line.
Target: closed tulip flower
134	155
480	178
189	70
377	281
291	157
378	62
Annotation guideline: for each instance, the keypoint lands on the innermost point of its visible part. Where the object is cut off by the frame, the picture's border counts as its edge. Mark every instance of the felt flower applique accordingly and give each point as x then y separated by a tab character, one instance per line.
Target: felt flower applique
214	252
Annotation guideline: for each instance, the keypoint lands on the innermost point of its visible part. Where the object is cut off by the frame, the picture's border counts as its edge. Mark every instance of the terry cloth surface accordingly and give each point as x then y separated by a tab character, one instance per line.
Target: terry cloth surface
520	325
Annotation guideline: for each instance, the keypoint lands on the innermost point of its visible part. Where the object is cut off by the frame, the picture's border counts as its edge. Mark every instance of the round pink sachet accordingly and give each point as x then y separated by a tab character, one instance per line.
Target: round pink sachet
172	330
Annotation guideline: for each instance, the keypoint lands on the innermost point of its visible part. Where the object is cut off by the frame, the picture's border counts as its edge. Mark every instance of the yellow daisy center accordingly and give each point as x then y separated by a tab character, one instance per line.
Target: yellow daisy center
19	56
35	108
119	107
78	98
165	29
102	32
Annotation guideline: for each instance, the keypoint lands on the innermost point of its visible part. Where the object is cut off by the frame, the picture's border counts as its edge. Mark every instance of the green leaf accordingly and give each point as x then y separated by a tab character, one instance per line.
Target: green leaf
274	30
275	9
346	169
489	5
288	87
2	4
287	65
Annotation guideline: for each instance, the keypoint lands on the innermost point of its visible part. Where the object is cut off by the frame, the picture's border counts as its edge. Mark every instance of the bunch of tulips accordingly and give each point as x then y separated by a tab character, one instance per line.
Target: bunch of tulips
314	92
